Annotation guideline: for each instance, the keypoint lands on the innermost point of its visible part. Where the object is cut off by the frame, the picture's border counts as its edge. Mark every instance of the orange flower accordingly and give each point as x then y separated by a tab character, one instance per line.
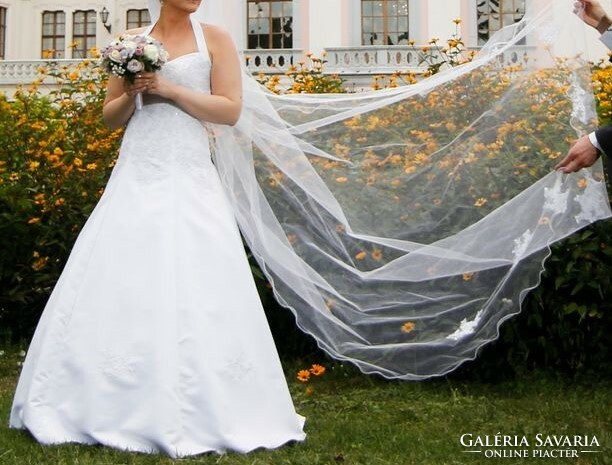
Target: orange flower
317	370
408	327
309	390
40	263
480	202
583	183
377	254
303	375
468	276
360	256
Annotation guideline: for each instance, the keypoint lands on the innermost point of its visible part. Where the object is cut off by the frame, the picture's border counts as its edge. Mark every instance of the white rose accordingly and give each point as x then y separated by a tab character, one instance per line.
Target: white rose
151	52
115	55
130	46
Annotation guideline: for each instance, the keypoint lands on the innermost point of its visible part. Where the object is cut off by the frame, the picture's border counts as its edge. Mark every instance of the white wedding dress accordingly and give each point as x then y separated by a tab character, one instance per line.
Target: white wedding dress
154	338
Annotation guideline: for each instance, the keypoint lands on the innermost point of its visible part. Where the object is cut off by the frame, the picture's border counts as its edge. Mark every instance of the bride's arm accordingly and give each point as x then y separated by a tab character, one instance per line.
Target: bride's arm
225	104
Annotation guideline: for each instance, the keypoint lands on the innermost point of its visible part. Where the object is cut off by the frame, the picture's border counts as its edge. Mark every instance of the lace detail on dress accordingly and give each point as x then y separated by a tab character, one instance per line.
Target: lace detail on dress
238	368
117	366
162	155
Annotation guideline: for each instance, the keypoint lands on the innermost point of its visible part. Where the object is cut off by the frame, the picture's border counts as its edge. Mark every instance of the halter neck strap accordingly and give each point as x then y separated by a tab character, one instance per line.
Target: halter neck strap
198	32
199	35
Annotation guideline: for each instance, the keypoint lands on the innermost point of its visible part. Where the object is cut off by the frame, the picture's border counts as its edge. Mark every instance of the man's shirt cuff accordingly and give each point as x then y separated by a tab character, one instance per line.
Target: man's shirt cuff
606	38
594	141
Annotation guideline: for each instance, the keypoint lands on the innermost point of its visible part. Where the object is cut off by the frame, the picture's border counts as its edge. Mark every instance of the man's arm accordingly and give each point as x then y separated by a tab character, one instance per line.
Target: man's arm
586	150
593	14
604	137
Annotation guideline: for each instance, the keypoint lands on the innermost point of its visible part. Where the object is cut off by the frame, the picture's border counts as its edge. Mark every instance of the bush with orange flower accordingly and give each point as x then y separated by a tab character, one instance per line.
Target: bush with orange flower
55	157
307	76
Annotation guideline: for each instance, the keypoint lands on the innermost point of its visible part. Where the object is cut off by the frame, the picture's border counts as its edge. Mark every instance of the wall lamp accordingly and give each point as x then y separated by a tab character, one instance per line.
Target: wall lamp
104	17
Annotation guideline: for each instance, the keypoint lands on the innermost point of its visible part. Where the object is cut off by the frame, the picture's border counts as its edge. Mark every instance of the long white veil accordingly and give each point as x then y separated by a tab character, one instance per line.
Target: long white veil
403	226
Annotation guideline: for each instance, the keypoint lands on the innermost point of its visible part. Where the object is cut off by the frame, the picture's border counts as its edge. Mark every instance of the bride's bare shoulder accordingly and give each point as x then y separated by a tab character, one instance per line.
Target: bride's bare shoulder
217	38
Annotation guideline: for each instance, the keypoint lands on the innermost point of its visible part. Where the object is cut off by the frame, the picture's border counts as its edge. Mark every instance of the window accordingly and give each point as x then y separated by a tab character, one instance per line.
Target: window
53	33
2	32
384	22
496	14
137	18
270	24
84	33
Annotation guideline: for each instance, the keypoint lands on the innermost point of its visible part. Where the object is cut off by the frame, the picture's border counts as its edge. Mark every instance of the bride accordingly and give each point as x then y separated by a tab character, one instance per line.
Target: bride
401	228
154	338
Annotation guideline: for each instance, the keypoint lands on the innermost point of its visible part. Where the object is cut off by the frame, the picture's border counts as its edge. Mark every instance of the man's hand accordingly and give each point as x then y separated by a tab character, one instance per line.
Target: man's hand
582	154
592	13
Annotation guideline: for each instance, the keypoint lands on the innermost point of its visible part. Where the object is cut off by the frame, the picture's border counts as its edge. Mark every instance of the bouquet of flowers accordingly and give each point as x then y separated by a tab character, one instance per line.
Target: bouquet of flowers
129	55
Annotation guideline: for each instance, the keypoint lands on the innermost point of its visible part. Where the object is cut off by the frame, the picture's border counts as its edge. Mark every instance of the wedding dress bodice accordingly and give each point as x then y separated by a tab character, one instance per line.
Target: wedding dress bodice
162	124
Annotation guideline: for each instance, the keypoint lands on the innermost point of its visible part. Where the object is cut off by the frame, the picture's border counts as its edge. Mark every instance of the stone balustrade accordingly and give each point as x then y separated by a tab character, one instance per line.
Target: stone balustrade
355	64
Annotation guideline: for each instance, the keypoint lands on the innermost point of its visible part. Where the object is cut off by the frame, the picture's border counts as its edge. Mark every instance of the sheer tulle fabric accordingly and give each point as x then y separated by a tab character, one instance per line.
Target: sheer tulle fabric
402	227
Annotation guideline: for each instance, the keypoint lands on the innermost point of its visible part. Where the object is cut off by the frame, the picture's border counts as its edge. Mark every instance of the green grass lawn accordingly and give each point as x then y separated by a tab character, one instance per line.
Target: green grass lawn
356	419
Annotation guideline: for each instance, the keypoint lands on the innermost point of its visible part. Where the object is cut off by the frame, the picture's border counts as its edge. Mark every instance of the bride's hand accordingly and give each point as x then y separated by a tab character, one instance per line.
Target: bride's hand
139	85
158	85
